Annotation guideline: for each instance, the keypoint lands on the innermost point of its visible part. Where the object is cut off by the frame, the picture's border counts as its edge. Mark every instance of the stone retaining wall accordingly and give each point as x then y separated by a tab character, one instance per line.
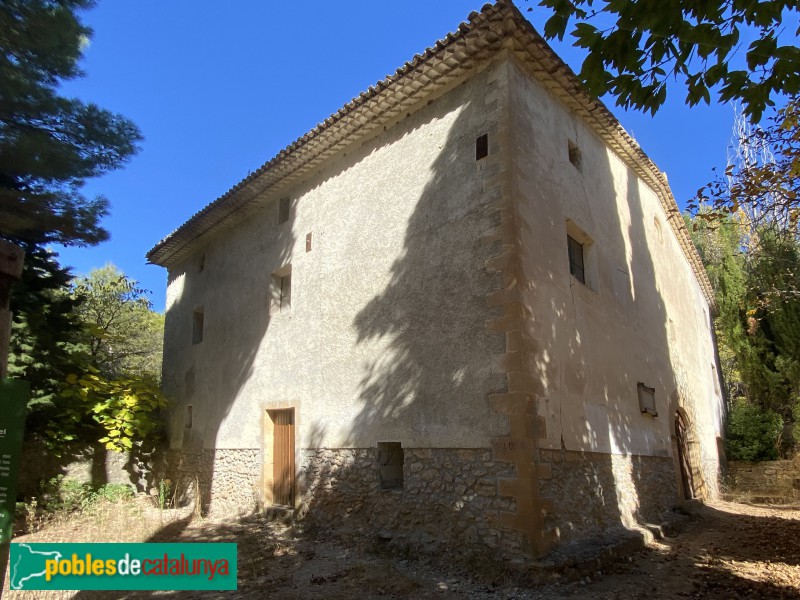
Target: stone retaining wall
773	480
592	493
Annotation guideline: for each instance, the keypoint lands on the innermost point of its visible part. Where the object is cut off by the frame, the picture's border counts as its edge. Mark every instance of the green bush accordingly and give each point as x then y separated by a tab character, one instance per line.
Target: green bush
114	492
65	495
753	434
62	494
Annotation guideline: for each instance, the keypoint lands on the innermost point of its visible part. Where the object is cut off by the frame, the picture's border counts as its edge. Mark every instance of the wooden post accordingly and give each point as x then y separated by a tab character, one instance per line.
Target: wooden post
11	259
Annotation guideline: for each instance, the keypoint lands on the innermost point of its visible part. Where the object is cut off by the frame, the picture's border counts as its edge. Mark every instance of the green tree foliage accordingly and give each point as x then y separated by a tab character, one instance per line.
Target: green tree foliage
636	46
124	411
102	386
758	329
125	334
50	145
47	337
752	432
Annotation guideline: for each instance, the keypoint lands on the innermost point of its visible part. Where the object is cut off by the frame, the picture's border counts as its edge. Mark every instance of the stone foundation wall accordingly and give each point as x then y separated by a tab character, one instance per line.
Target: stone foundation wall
592	493
775	480
449	498
227	478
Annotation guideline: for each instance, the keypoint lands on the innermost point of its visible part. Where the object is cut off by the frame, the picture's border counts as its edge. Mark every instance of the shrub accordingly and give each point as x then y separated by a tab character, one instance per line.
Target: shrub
65	495
753	434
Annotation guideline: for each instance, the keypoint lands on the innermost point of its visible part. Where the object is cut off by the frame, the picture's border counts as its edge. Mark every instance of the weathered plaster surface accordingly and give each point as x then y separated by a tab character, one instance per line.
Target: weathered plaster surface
640	317
385	337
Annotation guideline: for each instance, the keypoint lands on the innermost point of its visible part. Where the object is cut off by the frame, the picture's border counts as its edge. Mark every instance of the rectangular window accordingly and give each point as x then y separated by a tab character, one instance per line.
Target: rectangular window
281	290
390	459
482	146
576	267
197	325
647	399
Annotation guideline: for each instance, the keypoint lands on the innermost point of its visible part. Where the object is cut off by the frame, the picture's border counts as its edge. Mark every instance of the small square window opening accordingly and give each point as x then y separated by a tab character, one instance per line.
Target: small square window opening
576	262
197	325
482	147
390	460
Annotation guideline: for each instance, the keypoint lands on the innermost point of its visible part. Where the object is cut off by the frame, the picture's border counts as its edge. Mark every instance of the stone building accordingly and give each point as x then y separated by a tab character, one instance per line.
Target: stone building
464	308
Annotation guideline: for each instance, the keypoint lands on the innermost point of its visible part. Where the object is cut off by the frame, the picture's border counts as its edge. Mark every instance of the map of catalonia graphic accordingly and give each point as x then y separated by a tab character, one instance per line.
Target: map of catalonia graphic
27	564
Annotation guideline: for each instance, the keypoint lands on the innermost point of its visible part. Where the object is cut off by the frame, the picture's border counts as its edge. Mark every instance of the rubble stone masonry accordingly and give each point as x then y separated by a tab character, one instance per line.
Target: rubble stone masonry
592	493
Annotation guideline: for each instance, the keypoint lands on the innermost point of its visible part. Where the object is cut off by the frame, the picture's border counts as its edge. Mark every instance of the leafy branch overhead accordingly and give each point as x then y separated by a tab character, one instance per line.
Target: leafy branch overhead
636	46
766	184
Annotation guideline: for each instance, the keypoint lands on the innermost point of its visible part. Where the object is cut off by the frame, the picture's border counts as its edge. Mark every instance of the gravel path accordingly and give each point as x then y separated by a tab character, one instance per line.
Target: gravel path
723	550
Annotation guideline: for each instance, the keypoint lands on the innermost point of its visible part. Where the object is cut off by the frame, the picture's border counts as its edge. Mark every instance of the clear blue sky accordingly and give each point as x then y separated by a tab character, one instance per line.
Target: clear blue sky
219	88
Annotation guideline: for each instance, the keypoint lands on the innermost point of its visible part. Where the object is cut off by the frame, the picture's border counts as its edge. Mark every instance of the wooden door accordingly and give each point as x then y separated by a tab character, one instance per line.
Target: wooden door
283	457
682	439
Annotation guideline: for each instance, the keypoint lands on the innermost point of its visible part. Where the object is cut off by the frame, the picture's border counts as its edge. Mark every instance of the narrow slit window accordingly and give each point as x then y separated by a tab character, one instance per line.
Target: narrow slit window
284	207
198	319
188	420
482	146
201	263
390	460
576	263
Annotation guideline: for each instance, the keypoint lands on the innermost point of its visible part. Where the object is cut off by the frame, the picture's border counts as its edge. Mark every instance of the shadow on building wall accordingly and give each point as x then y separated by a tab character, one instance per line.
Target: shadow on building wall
439	362
233	291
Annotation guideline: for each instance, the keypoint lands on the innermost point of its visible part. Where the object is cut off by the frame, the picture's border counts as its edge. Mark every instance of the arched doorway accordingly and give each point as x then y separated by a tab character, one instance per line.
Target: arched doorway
684	463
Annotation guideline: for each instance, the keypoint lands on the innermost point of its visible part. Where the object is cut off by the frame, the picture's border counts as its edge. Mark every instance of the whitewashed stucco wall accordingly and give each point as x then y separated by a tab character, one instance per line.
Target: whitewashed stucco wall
642	316
385	339
386	336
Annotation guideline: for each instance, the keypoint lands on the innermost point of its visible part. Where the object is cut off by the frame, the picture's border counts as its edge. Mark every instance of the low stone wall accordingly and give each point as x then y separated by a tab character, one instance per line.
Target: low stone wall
777	480
227	479
449	498
592	493
95	465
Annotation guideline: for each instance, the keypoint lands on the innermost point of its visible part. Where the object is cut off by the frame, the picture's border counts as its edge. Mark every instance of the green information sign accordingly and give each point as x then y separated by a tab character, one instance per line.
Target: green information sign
13	406
135	566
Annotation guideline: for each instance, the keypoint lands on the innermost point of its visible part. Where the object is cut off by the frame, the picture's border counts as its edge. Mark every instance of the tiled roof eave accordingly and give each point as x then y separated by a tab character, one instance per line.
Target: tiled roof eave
363	115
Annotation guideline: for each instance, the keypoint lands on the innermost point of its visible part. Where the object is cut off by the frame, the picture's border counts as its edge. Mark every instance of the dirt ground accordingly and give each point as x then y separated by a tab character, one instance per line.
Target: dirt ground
720	551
